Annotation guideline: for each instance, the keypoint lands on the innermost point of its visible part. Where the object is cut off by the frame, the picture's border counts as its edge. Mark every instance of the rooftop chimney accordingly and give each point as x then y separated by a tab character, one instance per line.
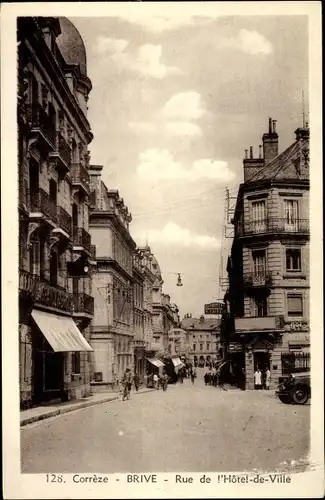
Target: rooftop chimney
201	319
270	142
251	151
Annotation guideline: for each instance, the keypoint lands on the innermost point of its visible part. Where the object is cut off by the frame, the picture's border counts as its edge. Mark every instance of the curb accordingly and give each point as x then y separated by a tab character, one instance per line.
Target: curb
63	410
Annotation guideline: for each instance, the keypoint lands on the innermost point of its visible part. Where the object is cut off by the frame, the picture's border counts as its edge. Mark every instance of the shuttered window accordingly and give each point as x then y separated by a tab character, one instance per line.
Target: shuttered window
295	306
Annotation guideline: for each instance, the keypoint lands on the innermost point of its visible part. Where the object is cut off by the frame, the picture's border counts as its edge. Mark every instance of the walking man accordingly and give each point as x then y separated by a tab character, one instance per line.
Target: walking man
267	379
127	384
193	376
258	379
136	381
156	381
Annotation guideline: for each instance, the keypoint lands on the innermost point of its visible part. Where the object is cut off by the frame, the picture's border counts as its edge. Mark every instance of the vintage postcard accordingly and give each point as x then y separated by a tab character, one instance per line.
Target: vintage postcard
162	250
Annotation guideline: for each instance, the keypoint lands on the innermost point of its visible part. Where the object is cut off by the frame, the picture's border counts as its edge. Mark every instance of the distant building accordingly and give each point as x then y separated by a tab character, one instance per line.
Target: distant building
112	331
266	319
53	136
203	339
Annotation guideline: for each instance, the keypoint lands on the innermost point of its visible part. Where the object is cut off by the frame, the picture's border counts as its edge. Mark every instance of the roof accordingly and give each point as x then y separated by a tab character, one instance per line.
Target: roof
71	45
286	164
195	324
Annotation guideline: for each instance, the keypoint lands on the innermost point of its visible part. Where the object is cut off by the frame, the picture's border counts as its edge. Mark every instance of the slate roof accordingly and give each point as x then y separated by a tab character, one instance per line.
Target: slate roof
287	165
195	324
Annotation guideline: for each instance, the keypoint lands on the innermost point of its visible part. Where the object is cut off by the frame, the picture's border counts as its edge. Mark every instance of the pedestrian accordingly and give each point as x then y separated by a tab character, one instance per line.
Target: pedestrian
267	379
127	384
258	379
136	381
193	376
206	378
156	381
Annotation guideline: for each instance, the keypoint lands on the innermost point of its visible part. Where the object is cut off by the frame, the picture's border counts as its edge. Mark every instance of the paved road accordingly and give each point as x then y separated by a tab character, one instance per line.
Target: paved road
188	428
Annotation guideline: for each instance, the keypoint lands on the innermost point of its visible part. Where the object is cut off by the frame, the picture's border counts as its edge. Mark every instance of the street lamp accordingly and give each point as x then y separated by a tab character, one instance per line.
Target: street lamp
179	279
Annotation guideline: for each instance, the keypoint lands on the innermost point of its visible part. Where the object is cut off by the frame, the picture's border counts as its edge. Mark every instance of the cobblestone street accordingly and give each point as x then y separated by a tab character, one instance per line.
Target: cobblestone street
187	428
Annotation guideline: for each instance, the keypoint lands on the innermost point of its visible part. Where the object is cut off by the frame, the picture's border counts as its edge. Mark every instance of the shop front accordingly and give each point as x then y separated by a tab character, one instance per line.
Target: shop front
57	359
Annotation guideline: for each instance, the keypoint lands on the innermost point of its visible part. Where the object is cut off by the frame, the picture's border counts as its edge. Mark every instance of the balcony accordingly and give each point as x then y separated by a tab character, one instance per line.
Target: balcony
41	292
42	128
83	303
257	279
81	239
64	220
80	178
62	154
93	252
258	324
273	225
40	203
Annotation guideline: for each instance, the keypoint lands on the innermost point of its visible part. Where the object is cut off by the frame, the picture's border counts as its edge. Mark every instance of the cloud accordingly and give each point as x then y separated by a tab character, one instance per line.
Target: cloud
175	235
250	42
184	106
177	128
146	60
106	45
183	129
159	164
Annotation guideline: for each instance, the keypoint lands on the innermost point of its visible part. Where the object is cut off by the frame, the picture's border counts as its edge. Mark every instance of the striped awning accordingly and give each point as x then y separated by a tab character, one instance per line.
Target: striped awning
156	362
61	332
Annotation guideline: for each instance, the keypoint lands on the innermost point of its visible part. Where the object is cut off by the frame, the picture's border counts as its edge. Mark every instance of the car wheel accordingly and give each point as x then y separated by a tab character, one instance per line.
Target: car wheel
285	399
300	396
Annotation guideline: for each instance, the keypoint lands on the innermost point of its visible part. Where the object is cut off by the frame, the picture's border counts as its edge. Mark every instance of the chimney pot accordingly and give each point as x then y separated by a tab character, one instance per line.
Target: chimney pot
251	151
270	125
246	154
274	126
260	151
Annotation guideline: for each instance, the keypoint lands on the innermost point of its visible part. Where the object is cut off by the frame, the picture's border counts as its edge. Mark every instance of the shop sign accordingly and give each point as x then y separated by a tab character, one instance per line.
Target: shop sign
296	326
235	347
214	308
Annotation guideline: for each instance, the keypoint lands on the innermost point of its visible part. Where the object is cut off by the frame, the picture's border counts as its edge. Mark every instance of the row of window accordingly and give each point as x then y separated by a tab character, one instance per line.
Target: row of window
122	254
259	305
290	207
209	346
292	255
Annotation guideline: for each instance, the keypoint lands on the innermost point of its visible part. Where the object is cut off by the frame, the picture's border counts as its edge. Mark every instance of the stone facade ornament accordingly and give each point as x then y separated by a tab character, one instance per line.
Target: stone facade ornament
32	226
61	122
52	242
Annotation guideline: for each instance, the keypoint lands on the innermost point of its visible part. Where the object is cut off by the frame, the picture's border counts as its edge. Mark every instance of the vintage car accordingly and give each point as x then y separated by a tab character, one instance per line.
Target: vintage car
295	388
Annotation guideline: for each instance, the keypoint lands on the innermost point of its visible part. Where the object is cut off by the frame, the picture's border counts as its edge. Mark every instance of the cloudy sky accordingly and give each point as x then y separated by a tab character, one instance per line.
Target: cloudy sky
176	100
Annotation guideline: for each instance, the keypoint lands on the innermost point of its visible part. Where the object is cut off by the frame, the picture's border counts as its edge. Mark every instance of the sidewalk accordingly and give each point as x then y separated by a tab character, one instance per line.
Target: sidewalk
41	412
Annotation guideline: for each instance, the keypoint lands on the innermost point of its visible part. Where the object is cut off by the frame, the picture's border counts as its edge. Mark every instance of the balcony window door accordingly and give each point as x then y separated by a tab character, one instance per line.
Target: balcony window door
34	186
259	265
259	306
291	215
259	216
75	217
34	257
53	196
54	268
34	89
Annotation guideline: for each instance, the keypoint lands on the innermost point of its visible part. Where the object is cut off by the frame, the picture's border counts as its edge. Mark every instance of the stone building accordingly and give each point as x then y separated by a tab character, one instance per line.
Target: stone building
266	319
53	135
203	337
138	316
112	331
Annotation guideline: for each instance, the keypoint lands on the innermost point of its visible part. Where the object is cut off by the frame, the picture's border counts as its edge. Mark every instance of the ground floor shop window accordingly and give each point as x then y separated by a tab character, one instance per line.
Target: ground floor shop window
76	362
293	362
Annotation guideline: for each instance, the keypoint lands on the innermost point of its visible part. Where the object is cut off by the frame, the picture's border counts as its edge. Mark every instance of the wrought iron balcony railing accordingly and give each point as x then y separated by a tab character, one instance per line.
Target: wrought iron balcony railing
257	279
40	201
42	292
83	303
80	176
93	252
64	220
63	148
41	122
273	225
81	238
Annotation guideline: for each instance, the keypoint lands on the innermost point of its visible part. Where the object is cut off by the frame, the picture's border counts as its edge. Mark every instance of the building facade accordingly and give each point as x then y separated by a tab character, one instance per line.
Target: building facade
266	319
138	316
53	135
203	337
112	330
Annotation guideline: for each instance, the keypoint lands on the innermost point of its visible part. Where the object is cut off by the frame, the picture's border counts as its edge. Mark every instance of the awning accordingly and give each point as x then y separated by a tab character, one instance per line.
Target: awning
155	362
61	332
177	362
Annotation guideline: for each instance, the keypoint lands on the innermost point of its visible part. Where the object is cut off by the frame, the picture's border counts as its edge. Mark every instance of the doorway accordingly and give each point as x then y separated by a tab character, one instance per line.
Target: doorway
261	360
48	370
